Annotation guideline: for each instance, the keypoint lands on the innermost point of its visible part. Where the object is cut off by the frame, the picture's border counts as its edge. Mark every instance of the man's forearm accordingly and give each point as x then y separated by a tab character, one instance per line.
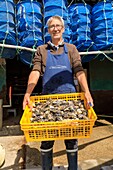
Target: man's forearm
82	81
32	81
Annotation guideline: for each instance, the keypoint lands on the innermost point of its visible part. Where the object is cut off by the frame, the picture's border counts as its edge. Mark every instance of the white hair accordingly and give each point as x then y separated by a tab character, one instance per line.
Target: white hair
55	17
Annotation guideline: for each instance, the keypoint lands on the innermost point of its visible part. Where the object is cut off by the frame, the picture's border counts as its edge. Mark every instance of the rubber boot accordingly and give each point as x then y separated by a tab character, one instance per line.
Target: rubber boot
47	159
72	160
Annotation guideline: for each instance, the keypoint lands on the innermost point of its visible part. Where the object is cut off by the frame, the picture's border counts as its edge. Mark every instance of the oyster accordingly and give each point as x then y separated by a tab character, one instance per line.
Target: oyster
58	110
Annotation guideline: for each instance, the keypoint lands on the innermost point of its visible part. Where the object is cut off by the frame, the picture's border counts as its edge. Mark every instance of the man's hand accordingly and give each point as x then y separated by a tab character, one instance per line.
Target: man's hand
32	81
84	86
89	100
26	100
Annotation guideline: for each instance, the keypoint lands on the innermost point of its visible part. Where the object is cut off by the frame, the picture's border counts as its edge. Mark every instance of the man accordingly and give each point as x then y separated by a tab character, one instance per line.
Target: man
58	62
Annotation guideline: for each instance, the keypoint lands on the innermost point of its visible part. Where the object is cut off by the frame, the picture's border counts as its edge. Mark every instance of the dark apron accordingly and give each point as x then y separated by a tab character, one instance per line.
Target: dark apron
58	77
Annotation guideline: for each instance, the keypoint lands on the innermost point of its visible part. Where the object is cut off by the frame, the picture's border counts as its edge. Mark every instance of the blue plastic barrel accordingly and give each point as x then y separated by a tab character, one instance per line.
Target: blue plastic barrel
102	25
56	7
7	28
29	28
48	4
71	9
81	28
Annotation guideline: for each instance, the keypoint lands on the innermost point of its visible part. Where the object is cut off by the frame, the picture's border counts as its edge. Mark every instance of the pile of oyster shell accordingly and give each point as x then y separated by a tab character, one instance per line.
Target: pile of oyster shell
58	110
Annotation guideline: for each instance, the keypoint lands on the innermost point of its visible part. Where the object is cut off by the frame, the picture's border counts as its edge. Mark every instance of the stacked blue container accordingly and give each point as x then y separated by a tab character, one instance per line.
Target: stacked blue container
81	27
56	7
29	28
7	28
102	25
71	9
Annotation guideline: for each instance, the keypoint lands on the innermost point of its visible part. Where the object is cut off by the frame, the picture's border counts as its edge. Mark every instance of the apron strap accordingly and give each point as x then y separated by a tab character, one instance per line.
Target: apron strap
65	49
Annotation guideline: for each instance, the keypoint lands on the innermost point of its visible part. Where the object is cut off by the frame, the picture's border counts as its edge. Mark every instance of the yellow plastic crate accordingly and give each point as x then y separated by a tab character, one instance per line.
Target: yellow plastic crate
69	129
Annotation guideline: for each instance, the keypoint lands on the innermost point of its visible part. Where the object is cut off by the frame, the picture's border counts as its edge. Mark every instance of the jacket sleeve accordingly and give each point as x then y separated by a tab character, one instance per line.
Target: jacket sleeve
76	60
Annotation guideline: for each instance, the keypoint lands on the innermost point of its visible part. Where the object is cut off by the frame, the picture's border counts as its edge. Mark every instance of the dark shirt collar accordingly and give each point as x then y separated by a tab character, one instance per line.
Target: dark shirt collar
56	47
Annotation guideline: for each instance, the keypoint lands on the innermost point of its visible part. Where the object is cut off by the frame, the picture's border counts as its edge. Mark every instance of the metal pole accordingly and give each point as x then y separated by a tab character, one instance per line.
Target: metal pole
33	50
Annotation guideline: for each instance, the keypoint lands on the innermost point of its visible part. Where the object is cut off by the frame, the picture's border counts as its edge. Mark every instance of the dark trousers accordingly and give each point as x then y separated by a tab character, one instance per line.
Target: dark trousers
70	144
47	154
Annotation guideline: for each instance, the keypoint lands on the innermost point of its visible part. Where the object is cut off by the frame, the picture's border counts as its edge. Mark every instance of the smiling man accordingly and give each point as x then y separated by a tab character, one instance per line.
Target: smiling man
58	62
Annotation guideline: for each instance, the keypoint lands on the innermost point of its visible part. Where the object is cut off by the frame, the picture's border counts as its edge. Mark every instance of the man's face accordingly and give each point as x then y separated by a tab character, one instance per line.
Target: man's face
56	29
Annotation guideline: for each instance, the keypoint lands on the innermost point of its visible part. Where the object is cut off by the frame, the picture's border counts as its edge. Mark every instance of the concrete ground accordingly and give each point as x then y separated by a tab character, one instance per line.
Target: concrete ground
94	152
